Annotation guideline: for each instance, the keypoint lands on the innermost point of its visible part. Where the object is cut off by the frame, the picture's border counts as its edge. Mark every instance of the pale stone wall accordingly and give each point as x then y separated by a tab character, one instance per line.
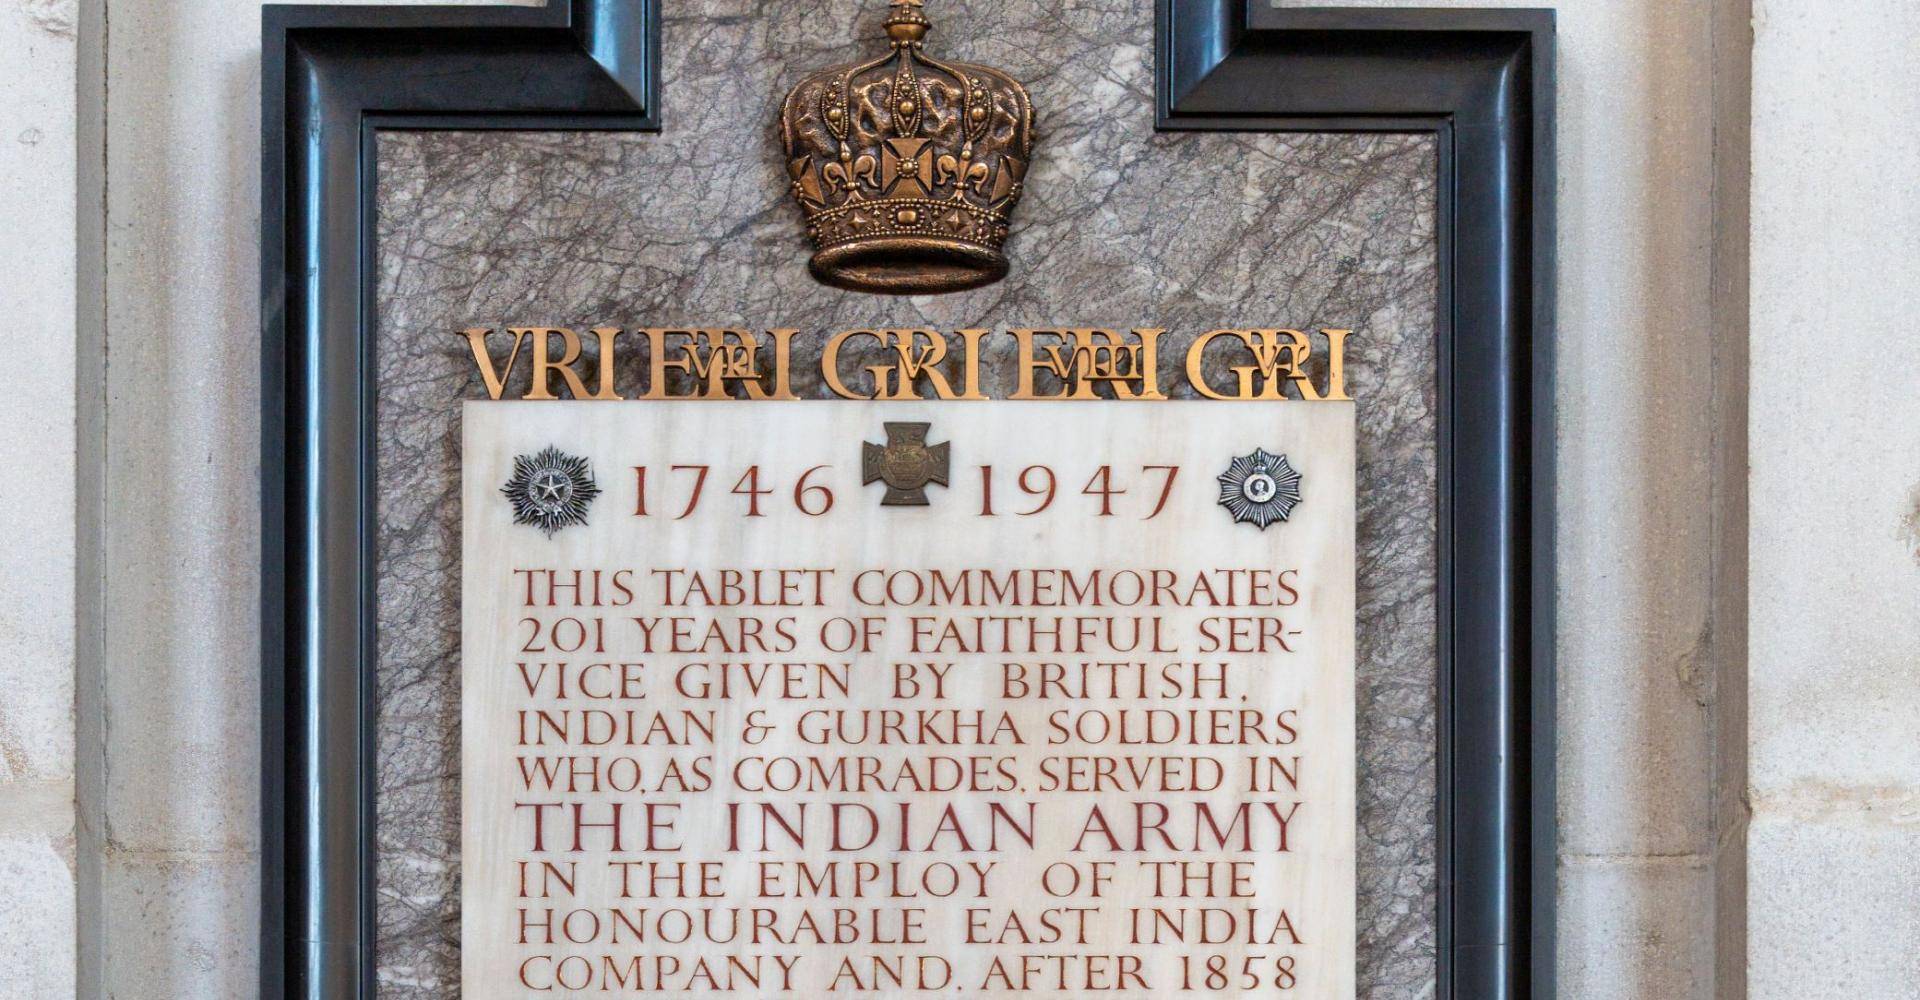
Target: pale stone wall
177	914
1642	490
1835	674
37	454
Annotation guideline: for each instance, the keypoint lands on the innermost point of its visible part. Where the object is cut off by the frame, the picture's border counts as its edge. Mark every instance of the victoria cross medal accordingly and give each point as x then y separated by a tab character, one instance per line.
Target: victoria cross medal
906	463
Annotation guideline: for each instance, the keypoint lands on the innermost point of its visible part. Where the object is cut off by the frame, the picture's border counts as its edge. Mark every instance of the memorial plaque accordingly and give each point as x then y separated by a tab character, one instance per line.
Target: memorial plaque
1176	372
908	699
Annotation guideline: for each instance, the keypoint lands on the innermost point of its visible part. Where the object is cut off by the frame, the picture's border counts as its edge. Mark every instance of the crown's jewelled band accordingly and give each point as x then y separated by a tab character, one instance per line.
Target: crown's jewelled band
890	217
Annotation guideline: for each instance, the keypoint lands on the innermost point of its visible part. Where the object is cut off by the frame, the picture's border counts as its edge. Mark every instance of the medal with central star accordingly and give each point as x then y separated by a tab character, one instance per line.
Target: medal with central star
550	490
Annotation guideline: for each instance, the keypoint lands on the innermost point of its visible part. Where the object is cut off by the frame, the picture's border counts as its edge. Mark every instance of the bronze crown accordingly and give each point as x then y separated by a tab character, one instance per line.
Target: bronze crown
908	167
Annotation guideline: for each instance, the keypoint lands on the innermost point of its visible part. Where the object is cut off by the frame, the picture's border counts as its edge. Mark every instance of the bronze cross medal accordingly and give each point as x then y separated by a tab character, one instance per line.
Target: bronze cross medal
906	463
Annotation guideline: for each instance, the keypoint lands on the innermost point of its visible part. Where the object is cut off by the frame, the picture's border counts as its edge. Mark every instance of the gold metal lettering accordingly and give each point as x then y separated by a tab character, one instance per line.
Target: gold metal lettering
1279	359
1088	363
717	360
544	367
495	378
919	355
1085	359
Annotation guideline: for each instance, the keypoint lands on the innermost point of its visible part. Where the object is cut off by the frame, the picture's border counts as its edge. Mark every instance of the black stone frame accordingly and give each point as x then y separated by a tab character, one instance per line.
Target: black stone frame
1480	81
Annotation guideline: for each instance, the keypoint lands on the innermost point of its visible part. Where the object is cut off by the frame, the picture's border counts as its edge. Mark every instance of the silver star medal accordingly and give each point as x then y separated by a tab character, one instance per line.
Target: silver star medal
1260	489
551	490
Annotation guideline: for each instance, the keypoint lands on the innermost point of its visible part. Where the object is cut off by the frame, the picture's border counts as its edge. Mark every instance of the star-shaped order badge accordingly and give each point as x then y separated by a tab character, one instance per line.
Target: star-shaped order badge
1260	489
551	490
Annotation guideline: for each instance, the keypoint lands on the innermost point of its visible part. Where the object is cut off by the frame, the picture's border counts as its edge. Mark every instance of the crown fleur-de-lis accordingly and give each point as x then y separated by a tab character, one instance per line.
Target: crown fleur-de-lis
908	167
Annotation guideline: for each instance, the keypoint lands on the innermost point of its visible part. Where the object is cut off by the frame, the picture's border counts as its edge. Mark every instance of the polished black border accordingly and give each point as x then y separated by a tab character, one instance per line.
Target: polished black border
331	75
1481	82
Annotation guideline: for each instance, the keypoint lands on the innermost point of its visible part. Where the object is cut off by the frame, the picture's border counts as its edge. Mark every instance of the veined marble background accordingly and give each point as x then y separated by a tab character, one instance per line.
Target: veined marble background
1121	227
